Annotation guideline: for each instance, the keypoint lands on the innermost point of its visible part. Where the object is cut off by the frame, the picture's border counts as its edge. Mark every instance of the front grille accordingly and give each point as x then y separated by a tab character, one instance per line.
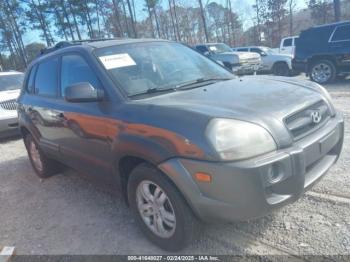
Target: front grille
307	120
9	105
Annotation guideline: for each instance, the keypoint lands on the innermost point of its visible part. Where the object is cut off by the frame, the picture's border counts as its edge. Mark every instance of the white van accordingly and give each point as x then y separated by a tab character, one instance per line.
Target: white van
287	45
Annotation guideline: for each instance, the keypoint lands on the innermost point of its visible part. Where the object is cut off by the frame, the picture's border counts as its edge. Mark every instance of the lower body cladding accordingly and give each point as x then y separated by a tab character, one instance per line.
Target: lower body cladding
8	126
251	188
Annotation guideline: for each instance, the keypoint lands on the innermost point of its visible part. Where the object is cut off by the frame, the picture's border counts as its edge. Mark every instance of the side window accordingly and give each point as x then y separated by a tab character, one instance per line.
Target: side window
46	78
202	48
256	50
242	49
30	82
75	70
342	33
288	42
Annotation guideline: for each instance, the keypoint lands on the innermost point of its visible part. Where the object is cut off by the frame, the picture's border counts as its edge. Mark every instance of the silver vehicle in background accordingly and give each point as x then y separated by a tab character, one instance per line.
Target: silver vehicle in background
10	86
271	61
239	62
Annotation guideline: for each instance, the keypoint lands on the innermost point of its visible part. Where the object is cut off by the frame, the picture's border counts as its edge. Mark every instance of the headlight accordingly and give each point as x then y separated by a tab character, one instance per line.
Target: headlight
234	139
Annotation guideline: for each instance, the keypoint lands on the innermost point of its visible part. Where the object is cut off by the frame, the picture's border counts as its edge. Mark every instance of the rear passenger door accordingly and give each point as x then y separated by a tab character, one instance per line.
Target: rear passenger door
42	103
84	142
340	44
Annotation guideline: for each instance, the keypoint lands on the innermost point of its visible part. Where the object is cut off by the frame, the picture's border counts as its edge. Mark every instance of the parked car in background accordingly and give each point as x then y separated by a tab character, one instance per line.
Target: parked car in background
287	45
271	62
10	86
182	138
323	52
239	63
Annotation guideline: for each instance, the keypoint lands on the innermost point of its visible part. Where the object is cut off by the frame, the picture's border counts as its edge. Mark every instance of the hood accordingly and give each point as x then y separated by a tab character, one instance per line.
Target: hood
265	101
9	95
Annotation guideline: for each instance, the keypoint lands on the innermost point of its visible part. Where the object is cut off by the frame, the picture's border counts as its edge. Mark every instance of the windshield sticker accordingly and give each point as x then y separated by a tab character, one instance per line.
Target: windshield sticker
212	48
116	61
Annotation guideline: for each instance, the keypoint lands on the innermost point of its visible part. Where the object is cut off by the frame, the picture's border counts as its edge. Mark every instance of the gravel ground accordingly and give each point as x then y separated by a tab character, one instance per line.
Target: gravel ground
67	214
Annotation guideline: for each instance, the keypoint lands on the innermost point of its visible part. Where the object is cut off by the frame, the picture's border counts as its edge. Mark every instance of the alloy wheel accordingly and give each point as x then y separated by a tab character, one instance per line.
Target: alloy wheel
156	209
321	73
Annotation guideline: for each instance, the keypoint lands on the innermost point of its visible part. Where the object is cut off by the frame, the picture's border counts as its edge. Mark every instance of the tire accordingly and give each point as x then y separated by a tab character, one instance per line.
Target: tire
183	227
43	166
322	71
281	69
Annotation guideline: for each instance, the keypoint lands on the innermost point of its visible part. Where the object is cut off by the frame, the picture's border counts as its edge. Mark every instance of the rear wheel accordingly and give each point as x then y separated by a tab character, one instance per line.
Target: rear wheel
281	69
43	166
160	210
323	71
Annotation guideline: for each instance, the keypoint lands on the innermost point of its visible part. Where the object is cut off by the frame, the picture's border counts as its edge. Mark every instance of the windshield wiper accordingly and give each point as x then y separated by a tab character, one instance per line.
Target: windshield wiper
153	90
194	83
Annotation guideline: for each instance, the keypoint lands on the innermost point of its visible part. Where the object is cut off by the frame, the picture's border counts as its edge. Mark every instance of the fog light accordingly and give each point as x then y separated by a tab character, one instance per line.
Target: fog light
274	174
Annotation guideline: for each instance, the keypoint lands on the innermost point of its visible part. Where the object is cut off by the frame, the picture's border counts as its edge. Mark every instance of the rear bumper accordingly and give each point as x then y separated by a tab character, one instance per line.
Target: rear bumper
244	190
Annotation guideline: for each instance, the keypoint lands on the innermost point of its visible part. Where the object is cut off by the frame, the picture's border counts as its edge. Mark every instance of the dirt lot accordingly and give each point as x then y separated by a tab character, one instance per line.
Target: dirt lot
67	214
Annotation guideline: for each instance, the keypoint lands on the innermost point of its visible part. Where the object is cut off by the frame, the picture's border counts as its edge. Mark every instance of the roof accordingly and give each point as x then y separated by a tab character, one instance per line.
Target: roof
6	73
112	42
95	43
332	24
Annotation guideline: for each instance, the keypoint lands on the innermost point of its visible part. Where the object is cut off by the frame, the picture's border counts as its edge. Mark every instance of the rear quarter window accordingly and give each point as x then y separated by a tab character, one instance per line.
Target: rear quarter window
341	33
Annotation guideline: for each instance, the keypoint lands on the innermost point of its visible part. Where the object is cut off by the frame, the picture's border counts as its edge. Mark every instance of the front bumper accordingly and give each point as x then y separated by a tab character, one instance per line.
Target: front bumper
8	126
243	69
243	190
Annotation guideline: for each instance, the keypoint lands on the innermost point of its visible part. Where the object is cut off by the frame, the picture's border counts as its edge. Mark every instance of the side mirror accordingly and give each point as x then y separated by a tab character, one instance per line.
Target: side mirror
263	54
83	92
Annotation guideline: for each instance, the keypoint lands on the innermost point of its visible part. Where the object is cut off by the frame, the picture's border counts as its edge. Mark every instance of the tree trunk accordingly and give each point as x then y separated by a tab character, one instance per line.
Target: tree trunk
203	20
66	16
337	10
74	19
132	18
172	20
150	18
176	22
157	23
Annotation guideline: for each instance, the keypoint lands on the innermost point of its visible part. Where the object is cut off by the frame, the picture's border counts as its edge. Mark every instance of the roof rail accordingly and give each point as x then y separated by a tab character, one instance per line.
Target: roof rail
64	44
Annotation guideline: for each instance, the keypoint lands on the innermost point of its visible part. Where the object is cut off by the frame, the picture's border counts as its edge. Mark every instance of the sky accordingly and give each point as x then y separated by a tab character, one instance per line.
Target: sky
241	7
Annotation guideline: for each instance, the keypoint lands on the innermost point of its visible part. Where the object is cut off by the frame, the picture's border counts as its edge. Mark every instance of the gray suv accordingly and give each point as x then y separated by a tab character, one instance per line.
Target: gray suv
182	138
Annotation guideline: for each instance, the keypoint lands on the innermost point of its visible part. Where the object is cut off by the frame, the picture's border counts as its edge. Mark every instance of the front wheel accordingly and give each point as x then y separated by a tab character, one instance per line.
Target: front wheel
323	71
160	210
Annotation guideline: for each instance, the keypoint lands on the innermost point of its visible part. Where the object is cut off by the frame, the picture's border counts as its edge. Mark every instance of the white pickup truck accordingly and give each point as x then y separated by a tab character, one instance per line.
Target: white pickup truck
271	61
239	62
287	45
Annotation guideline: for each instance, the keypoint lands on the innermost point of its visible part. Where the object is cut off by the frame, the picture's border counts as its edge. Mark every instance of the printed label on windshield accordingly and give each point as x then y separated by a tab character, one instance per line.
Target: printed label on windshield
213	48
117	61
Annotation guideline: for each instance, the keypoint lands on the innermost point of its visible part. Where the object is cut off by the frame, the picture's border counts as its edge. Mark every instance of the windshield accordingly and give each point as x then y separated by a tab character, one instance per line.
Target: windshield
219	48
11	82
141	67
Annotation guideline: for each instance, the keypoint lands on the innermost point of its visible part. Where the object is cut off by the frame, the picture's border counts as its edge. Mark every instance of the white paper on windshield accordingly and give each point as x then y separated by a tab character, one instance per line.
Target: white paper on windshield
212	48
117	61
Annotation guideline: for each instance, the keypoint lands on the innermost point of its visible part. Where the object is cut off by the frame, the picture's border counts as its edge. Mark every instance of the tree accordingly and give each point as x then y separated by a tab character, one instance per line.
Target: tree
203	21
337	12
320	11
291	7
